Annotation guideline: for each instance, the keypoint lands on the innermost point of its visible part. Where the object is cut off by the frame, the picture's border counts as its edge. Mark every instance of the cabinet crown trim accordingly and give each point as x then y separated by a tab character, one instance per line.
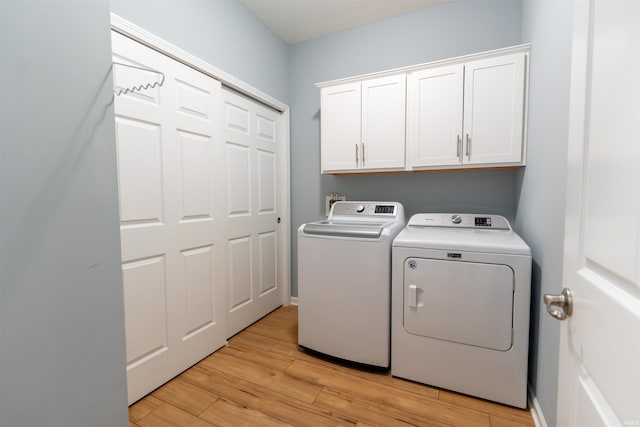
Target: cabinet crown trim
456	60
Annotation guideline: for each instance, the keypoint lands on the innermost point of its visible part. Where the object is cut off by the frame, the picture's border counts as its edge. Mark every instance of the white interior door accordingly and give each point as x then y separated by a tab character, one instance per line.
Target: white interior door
599	373
173	248
253	144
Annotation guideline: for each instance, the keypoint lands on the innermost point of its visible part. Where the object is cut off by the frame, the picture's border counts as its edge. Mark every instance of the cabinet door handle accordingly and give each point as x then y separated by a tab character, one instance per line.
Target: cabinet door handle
468	147
458	146
356	155
363	154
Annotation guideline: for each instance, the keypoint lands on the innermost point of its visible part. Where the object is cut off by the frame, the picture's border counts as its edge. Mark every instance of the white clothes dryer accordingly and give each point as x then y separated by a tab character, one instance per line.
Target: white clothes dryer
460	305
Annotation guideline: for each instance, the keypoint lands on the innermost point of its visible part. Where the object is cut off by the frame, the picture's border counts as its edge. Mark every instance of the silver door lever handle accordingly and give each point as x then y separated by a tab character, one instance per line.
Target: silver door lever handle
559	306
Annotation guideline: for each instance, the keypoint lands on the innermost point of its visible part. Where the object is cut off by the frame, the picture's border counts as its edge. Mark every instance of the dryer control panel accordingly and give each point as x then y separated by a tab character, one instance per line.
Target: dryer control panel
479	221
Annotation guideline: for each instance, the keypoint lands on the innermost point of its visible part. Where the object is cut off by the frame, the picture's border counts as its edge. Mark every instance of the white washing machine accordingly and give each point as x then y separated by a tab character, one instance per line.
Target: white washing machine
460	306
344	282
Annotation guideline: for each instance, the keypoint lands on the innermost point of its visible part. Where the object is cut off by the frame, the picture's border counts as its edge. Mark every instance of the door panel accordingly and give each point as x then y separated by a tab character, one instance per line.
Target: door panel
240	275
145	283
140	171
169	171
266	182
464	302
266	128
268	249
253	153
197	268
194	153
599	374
238	179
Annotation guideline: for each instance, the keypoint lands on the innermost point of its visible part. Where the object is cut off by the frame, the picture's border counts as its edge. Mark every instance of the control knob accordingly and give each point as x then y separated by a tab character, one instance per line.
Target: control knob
456	219
360	208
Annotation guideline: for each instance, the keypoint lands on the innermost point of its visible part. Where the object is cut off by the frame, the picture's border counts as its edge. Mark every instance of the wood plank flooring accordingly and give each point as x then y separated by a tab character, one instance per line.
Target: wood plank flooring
261	379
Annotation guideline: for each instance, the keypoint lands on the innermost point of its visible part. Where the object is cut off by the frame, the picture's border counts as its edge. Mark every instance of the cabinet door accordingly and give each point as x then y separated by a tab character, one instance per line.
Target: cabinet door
383	122
434	117
340	125
494	91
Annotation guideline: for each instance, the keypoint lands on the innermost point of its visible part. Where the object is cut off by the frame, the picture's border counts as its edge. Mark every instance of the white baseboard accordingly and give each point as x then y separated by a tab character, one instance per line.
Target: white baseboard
294	300
536	410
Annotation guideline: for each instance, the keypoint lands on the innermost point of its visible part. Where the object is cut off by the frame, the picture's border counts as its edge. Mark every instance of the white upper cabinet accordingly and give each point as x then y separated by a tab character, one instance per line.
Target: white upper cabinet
494	110
363	125
467	112
340	127
434	122
383	123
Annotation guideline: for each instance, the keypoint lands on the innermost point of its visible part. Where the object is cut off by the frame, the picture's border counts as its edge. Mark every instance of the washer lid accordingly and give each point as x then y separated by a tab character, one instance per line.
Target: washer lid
367	230
474	233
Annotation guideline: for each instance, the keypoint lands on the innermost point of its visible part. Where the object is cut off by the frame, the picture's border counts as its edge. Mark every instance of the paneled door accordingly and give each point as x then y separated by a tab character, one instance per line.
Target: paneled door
170	175
599	369
253	152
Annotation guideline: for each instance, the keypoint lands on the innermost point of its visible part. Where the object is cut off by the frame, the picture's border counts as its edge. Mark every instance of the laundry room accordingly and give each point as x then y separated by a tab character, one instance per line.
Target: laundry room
126	260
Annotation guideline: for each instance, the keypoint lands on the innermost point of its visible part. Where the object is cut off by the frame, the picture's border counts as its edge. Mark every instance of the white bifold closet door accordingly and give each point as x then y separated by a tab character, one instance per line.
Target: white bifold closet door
172	212
252	135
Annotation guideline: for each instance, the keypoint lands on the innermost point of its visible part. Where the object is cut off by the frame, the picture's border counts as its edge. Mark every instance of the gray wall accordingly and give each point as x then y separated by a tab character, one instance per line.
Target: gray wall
62	343
222	32
541	185
451	29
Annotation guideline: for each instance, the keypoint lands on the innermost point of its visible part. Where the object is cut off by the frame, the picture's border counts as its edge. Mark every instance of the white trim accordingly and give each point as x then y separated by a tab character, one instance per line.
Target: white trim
294	300
496	52
536	410
129	29
285	208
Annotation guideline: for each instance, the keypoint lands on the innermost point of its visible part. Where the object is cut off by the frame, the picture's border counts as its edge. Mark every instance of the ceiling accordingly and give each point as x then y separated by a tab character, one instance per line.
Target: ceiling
295	21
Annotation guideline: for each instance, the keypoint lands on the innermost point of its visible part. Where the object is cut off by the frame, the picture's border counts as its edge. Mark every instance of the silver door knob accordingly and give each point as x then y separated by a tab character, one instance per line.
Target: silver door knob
559	306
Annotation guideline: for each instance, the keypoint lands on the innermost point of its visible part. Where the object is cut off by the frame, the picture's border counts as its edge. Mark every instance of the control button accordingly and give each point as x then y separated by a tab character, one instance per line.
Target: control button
456	219
360	208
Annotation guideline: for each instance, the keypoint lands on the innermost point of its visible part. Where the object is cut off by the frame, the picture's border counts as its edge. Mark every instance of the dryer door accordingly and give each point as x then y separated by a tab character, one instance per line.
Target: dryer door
464	302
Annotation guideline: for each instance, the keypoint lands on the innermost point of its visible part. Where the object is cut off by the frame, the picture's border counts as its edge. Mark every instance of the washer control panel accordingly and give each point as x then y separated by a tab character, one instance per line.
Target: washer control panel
383	209
477	221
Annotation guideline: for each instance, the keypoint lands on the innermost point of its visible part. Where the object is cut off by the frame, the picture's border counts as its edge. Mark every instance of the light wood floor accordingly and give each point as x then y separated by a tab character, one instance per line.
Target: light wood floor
262	379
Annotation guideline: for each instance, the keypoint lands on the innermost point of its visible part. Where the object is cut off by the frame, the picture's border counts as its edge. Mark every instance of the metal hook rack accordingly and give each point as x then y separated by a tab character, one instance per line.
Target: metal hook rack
141	87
